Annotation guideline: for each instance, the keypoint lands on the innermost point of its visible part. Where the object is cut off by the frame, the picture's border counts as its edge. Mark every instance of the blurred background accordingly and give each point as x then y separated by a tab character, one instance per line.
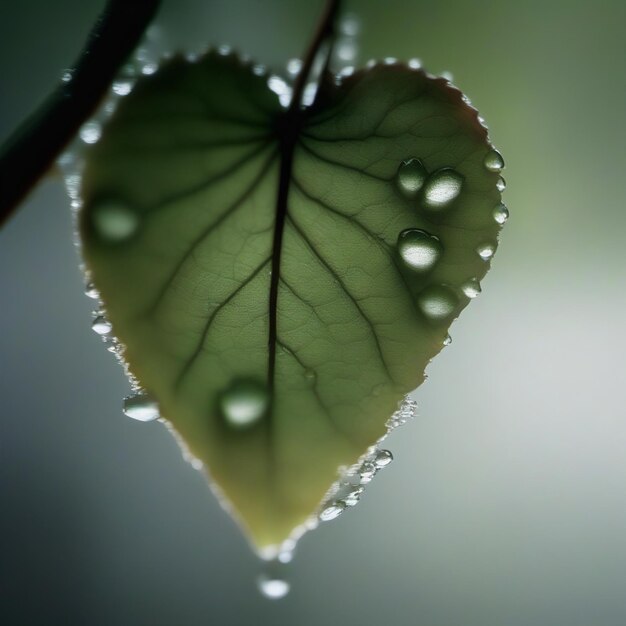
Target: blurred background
506	504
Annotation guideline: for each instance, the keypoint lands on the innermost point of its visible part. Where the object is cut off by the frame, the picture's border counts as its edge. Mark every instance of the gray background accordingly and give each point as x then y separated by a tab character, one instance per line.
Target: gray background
506	504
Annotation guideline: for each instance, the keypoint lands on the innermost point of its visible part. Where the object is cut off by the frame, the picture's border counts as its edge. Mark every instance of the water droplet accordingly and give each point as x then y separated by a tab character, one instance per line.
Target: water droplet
91	291
500	213
294	66
471	288
447	76
353	496
149	68
447	340
141	407
346	50
349	25
441	188
437	302
415	64
273	588
411	177
224	50
67	76
286	556
332	511
367	471
419	250
494	161
101	325
122	87
486	251
383	458
244	402
281	89
90	132
309	93
501	184
114	221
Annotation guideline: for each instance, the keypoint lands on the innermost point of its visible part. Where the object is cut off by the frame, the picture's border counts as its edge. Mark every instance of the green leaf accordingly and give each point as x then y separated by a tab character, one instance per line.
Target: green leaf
278	339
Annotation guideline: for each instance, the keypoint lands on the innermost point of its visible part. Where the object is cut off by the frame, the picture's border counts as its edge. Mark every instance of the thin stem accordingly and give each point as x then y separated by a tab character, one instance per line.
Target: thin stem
289	130
29	152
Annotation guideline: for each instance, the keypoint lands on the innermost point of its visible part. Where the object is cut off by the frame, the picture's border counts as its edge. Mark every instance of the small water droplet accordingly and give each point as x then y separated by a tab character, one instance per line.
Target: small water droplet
437	302
101	325
500	213
415	64
447	340
383	458
141	407
122	87
486	251
411	177
286	556
244	402
367	471
441	188
90	132
294	66
346	50
349	25
419	250
91	291
501	184
281	89
114	221
353	496
494	161
67	76
273	588
332	511
447	76
471	288
224	50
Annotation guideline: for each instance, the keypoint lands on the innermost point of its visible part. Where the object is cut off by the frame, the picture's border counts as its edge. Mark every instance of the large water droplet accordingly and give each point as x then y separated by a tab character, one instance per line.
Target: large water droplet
101	325
501	184
471	288
141	407
442	188
486	251
383	458
273	588
90	132
500	213
437	302
494	161
244	402
411	177
332	511
114	221
419	250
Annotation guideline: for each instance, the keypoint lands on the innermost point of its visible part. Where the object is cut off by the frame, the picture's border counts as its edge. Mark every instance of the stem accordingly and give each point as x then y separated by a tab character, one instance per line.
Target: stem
29	152
288	131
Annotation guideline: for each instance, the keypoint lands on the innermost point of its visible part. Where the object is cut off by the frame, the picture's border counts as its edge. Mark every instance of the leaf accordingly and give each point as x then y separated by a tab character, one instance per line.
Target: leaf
278	339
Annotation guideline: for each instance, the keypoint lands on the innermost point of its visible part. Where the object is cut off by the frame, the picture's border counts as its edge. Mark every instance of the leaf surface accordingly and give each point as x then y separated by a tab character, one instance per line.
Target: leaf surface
185	238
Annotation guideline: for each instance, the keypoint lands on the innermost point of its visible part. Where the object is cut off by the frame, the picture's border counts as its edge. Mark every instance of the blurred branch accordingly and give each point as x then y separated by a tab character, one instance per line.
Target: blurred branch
29	152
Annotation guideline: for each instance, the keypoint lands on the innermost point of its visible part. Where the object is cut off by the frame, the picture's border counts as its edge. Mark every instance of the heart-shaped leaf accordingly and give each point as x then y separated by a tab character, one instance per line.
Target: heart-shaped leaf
280	283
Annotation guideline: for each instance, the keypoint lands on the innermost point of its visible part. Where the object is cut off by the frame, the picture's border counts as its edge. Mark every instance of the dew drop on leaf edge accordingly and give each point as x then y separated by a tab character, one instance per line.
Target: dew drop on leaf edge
141	407
332	511
494	161
244	402
500	213
471	288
